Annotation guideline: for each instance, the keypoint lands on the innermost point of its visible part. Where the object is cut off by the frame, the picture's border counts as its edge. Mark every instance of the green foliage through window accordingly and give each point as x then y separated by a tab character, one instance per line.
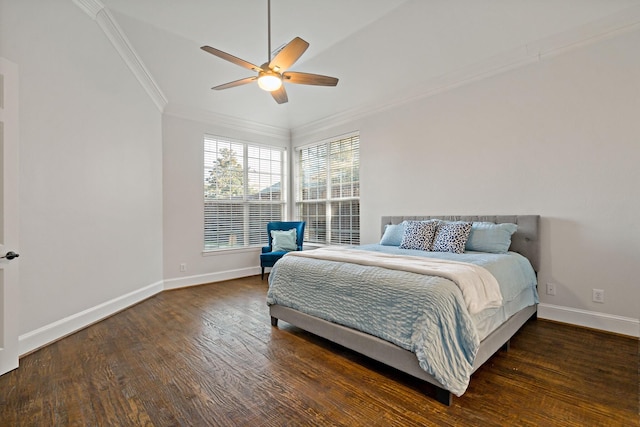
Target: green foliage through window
243	191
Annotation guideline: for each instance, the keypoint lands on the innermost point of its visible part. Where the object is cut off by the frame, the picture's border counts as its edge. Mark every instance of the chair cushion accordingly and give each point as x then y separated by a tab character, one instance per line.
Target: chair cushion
270	258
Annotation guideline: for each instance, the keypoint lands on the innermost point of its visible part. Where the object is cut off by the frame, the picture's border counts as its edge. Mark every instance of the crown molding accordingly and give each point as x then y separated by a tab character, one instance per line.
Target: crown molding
205	116
611	26
90	7
98	12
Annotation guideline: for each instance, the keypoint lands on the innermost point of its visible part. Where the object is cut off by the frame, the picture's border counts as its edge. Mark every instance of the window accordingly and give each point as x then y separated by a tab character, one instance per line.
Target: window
328	196
243	191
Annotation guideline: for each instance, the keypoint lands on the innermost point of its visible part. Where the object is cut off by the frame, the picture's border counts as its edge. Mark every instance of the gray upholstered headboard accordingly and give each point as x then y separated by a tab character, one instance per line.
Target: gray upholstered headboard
525	240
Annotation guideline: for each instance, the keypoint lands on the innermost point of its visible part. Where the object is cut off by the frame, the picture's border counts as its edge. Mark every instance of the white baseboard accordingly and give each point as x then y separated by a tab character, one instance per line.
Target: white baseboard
590	319
200	279
32	341
47	334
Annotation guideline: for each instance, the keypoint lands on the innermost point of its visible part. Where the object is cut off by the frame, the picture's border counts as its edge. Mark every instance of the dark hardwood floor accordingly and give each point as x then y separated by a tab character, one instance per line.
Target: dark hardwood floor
208	356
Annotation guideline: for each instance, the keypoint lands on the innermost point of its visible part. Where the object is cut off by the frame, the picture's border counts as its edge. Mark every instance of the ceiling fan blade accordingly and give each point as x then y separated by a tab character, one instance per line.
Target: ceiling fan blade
288	55
280	95
228	57
309	79
235	83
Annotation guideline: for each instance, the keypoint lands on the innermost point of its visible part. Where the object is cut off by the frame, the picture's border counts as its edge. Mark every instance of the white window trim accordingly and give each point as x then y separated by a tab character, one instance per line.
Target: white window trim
283	202
298	183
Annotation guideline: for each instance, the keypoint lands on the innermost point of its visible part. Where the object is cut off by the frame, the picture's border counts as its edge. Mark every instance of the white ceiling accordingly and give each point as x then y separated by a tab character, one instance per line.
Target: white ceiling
383	51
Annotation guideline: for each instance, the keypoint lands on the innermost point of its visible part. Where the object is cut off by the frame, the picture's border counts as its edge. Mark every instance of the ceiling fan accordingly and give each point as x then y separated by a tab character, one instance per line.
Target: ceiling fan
274	72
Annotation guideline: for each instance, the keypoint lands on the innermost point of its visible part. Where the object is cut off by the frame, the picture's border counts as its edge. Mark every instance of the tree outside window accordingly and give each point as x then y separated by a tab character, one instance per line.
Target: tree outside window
242	192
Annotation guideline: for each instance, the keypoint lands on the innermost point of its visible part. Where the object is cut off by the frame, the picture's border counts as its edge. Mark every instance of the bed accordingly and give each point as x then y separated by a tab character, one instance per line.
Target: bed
441	337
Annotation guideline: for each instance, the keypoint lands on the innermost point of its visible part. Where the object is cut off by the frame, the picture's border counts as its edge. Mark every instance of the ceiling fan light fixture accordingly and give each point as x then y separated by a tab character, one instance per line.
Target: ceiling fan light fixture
269	81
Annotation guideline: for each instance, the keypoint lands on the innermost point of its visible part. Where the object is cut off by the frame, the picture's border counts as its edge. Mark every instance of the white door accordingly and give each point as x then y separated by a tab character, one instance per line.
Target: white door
9	297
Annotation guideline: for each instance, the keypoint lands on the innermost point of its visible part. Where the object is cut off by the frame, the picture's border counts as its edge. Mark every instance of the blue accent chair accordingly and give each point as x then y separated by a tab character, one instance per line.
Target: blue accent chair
268	258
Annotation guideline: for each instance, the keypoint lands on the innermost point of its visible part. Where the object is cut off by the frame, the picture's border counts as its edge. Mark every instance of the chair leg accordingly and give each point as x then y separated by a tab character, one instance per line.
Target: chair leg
262	273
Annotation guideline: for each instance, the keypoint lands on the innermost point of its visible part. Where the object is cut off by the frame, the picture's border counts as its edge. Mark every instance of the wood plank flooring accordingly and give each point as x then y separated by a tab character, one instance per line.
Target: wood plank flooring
208	356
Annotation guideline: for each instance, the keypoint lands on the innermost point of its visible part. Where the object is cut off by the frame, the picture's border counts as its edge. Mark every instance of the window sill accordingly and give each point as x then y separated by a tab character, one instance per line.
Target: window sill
231	251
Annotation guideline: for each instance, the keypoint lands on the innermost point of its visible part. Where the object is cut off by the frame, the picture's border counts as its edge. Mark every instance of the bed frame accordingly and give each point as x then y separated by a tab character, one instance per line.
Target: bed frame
524	241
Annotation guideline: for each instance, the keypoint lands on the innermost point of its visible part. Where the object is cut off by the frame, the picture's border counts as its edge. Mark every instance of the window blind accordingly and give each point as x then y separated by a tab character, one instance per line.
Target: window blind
328	192
243	191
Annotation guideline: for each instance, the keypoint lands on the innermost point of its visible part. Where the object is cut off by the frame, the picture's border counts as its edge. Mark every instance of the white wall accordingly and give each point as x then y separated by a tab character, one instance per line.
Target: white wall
183	161
90	172
559	138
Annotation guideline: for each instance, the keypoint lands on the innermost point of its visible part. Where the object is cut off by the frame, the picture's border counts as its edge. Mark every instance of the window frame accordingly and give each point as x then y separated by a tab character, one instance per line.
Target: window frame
324	205
252	235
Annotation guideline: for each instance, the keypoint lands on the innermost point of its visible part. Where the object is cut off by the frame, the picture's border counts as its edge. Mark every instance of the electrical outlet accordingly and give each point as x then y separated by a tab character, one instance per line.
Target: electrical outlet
551	289
598	295
183	267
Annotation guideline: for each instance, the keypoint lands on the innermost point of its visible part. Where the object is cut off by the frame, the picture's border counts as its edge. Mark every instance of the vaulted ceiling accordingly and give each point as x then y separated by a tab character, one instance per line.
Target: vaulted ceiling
383	51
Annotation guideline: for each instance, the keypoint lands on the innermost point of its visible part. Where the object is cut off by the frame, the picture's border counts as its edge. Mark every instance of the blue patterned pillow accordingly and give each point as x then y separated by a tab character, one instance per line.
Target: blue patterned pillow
418	235
393	234
451	237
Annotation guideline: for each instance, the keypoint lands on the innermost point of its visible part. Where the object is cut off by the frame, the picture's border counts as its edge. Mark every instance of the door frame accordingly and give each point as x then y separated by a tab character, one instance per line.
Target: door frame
9	218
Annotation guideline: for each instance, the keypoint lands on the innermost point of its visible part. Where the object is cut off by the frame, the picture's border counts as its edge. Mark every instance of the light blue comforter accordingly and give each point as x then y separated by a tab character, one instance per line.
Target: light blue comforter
422	314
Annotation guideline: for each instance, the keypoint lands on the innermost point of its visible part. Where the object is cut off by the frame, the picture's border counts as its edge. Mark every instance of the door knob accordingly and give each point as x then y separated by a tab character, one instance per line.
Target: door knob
10	255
